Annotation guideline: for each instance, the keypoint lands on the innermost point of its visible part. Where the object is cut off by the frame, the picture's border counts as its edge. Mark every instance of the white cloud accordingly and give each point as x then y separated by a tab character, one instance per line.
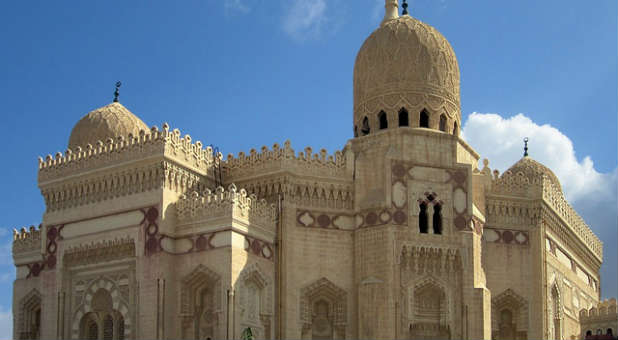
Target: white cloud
6	323
501	141
593	194
309	19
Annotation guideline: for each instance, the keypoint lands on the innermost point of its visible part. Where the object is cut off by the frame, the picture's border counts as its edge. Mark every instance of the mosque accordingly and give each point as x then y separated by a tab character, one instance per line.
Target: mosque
149	234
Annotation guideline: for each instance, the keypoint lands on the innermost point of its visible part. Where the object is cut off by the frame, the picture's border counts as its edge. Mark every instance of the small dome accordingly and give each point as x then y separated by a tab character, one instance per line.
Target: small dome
532	169
109	121
408	64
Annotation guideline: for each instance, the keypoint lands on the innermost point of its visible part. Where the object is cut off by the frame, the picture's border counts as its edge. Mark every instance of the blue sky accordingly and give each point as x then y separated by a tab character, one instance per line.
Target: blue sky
240	74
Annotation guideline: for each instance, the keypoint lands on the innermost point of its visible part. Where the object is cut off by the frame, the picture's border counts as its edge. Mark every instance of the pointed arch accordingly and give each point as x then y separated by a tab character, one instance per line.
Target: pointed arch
437	219
382	120
29	323
423	227
555	311
442	122
200	302
509	303
423	119
102	297
329	302
455	129
428	309
255	293
403	117
365	127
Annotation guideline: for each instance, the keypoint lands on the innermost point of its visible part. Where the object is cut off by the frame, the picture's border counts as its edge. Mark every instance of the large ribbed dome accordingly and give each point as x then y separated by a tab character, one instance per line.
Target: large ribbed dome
109	121
406	63
532	170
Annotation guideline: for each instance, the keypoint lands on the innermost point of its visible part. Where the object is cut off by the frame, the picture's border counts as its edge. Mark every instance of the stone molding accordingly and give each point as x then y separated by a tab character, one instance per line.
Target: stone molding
124	182
306	163
97	252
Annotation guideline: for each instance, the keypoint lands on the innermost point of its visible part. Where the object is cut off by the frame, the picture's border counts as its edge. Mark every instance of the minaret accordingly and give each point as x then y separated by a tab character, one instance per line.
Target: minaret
391	10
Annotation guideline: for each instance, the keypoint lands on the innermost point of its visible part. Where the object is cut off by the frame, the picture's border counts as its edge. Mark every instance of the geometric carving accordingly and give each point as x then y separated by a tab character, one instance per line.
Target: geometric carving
323	306
102	304
103	251
29	322
200	303
509	316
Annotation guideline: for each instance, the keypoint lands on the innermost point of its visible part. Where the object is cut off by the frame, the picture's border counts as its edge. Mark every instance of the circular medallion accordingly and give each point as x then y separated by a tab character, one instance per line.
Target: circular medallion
399	217
399	170
460	222
323	221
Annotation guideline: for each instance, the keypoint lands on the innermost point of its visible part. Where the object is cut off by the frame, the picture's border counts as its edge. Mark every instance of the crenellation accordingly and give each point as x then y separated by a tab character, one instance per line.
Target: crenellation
25	240
231	201
121	150
305	162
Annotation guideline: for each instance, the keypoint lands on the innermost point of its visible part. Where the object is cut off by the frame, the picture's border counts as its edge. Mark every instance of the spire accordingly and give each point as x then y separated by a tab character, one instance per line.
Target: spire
526	147
116	93
391	10
404	5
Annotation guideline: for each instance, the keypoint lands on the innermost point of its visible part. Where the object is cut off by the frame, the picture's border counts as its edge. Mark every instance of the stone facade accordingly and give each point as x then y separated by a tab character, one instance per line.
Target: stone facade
401	234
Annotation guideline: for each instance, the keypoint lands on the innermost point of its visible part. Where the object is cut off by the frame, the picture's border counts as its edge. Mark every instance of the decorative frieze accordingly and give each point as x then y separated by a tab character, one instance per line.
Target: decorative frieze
506	236
98	252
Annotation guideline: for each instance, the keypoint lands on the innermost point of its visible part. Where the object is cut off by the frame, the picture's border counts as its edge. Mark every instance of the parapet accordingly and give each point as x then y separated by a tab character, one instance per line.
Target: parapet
542	186
226	203
307	162
606	309
26	240
120	150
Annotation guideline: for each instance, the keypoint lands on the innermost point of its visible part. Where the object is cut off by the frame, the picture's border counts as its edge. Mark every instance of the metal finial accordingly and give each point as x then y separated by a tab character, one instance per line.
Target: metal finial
404	5
526	147
116	93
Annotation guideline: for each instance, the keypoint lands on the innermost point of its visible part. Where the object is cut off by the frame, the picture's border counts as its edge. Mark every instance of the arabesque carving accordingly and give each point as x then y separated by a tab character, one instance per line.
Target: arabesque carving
102	251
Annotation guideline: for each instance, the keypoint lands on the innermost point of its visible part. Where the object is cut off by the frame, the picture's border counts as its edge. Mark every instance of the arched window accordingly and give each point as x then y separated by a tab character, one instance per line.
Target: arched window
355	131
120	326
108	327
383	120
588	333
442	123
422	218
437	219
403	117
609	332
365	129
455	129
423	120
